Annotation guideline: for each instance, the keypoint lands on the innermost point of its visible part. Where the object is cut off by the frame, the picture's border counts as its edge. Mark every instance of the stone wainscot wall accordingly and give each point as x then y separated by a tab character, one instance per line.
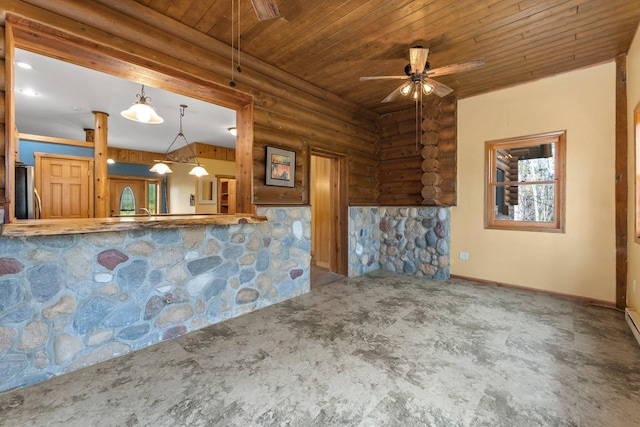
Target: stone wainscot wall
71	301
408	240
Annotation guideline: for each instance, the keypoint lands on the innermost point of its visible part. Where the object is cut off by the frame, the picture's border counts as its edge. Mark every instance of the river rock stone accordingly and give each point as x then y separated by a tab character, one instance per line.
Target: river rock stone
11	293
174	314
17	316
124	315
166	237
193	237
11	366
167	256
214	289
140	248
111	258
65	305
10	266
247	275
39	255
99	337
440	230
7	335
45	281
247	295
155	304
131	277
91	313
174	332
66	347
35	335
201	265
78	261
134	332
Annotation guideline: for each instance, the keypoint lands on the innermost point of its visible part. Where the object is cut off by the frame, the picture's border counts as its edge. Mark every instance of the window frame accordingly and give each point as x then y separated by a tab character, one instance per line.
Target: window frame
491	184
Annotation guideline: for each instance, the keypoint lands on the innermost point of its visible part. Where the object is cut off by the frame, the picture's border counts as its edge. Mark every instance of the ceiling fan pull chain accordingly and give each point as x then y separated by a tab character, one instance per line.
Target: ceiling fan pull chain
232	83
239	31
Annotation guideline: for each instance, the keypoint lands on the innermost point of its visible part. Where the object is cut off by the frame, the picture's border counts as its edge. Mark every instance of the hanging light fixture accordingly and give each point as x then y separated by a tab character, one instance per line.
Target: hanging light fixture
141	111
161	166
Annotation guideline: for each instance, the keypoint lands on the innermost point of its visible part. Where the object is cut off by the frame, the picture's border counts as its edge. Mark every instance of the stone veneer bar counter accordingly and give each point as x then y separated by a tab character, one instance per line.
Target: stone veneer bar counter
72	296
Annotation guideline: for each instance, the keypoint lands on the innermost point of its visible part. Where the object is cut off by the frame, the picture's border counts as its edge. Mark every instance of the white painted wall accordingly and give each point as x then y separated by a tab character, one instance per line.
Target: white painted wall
581	261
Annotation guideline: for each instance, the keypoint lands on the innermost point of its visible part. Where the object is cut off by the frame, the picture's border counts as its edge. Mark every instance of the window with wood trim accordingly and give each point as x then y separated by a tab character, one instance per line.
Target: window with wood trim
525	182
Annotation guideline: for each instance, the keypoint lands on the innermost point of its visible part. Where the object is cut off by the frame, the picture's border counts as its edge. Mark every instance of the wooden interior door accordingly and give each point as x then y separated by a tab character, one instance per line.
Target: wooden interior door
322	230
65	184
131	186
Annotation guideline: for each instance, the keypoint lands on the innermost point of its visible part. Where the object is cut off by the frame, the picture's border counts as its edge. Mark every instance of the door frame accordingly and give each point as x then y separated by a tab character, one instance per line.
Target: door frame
339	209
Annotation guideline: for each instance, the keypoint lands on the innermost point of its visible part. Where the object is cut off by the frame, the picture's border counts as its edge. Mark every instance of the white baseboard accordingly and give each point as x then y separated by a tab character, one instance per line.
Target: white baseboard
633	319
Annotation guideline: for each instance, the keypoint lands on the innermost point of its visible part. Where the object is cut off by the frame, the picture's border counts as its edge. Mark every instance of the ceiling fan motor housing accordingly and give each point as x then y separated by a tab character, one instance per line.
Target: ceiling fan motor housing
407	68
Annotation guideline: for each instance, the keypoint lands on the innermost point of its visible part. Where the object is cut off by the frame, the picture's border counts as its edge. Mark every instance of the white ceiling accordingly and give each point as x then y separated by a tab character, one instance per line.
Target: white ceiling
67	95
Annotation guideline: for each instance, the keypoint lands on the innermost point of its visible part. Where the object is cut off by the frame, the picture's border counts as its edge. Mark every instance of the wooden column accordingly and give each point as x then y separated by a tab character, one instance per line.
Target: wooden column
100	155
621	181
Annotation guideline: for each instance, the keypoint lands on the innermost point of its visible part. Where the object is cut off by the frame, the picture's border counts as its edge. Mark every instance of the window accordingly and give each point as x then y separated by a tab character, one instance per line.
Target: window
525	183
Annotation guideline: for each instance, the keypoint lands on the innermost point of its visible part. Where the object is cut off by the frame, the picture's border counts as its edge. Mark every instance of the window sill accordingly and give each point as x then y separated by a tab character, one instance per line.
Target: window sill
50	227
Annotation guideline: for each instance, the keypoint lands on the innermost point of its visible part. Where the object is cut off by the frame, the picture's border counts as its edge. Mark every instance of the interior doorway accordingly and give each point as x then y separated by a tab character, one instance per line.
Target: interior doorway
328	218
134	195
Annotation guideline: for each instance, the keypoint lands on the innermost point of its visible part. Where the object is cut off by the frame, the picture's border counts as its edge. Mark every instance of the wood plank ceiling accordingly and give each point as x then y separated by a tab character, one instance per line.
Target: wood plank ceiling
331	43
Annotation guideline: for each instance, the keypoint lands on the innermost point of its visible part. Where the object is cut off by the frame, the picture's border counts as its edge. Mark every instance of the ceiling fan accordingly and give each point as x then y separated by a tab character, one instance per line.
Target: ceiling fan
265	9
418	74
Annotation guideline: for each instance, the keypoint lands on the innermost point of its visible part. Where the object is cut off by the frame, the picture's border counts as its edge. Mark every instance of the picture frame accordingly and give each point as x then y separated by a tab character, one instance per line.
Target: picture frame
280	168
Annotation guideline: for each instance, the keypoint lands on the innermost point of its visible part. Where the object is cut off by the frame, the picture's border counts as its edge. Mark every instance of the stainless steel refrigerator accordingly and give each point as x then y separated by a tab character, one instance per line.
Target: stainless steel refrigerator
27	201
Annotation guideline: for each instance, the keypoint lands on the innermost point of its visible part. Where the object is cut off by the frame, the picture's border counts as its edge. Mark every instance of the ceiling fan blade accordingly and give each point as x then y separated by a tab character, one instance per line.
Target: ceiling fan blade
394	95
384	78
418	59
458	67
265	9
439	89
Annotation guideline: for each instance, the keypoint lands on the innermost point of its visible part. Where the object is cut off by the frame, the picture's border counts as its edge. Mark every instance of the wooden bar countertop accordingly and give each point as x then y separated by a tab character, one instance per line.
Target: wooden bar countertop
50	227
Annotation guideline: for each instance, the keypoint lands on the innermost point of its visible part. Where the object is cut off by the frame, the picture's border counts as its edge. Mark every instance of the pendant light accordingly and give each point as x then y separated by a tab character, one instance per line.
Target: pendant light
141	111
161	166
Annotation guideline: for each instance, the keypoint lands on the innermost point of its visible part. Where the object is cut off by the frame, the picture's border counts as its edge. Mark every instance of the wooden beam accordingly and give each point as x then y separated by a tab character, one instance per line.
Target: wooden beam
621	181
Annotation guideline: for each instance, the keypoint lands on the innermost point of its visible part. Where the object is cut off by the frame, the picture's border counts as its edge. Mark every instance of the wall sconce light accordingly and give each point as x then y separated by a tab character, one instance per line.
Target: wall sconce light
233	131
141	111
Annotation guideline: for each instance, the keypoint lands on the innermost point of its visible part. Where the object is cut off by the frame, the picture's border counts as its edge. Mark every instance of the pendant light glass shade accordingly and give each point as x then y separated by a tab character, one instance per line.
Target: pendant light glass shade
198	171
142	111
160	168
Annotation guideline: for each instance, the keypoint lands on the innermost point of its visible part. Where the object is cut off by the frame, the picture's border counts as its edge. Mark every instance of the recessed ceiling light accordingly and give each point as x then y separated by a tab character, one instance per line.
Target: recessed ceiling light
29	92
24	65
74	108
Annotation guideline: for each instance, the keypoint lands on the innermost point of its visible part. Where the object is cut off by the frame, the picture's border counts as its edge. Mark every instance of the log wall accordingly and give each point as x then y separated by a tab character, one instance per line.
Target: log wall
3	174
288	112
424	173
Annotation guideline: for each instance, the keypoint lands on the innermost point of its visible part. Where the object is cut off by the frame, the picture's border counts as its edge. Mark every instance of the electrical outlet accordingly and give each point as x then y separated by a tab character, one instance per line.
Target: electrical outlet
464	256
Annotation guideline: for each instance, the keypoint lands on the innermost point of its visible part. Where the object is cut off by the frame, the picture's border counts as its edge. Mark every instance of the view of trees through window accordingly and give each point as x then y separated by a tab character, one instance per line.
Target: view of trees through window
525	189
535	201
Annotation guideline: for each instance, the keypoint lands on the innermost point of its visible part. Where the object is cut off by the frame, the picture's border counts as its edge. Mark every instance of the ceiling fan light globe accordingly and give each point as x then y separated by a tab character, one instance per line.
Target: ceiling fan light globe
405	89
427	88
198	171
160	168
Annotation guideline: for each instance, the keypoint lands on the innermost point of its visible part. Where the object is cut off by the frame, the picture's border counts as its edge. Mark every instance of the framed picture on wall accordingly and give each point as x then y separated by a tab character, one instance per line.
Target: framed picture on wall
280	167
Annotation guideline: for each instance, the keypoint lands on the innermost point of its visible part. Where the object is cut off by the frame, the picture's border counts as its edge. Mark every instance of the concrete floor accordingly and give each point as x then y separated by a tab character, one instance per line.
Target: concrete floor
379	350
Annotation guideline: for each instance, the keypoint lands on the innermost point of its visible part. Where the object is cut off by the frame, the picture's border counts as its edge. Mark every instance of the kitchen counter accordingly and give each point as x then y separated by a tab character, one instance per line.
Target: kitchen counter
50	227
